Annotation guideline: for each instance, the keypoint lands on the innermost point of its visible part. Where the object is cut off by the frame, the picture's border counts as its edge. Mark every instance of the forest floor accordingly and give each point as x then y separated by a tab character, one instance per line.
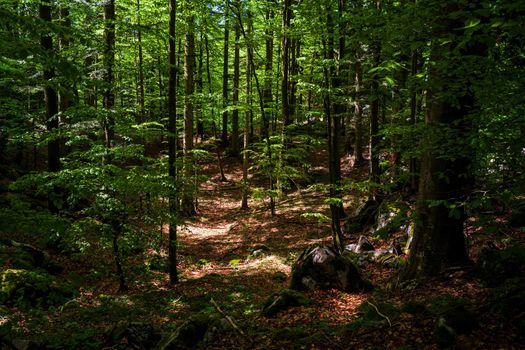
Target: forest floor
236	259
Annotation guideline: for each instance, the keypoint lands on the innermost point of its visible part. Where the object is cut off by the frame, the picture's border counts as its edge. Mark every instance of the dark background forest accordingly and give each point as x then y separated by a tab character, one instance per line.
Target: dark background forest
262	174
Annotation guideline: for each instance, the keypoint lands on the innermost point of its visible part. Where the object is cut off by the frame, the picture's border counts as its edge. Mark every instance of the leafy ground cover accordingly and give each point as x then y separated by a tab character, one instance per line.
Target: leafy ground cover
232	260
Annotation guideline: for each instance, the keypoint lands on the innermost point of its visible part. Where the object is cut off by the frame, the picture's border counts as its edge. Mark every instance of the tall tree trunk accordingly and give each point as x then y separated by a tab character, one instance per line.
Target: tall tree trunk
172	143
444	182
141	67
267	93
247	114
334	129
358	113
285	59
374	112
200	88
294	71
53	146
64	100
235	93
210	91
109	63
413	163
51	102
263	112
224	136
188	198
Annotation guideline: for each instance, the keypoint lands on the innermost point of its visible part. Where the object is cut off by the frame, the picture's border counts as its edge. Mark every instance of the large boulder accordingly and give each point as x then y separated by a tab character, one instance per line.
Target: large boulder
323	267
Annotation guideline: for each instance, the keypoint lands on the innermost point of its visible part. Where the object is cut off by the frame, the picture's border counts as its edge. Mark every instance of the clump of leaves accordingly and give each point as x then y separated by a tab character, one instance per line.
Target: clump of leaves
27	289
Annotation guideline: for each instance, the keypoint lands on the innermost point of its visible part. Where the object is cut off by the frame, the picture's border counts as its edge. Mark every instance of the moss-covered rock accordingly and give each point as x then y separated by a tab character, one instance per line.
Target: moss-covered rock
322	267
283	300
25	288
201	329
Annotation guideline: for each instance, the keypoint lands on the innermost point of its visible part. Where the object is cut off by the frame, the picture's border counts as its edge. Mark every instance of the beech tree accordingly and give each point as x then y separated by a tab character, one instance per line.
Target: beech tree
172	143
439	239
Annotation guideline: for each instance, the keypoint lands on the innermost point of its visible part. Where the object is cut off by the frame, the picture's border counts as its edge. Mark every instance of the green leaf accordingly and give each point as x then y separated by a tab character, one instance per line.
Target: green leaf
471	23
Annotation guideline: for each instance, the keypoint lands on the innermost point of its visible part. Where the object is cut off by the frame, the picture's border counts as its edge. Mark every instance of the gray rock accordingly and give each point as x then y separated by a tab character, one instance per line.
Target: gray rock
362	245
323	267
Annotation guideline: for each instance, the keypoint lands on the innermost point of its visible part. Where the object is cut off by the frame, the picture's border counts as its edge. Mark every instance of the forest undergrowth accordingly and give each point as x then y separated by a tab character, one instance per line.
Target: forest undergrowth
232	260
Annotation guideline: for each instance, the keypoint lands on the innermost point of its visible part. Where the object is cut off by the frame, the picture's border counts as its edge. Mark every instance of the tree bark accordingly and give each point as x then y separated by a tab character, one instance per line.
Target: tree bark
141	67
358	112
172	144
374	113
224	137
247	114
263	111
109	63
188	198
51	103
235	147
444	182
334	129
285	59
267	92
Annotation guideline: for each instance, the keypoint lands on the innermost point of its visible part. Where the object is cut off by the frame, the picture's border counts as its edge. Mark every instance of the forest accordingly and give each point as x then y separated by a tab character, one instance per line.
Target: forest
271	174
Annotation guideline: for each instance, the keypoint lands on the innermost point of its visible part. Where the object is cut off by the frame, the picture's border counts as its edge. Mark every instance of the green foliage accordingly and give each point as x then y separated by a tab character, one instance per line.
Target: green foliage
26	289
319	217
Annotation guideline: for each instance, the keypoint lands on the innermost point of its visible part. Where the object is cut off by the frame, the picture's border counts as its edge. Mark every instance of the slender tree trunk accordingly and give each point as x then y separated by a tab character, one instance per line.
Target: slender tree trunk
172	144
117	230
267	93
263	112
210	91
200	88
358	113
374	113
413	164
235	93
109	63
50	95
334	129
109	123
188	199
141	67
294	71
224	137
64	101
247	124
285	59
